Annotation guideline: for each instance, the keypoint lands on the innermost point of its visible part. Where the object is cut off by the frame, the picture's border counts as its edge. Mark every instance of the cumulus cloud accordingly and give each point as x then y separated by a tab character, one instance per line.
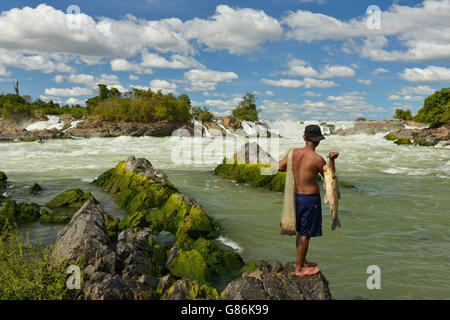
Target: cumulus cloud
67	92
46	29
124	65
300	68
367	82
204	79
412	93
163	85
177	61
236	30
379	70
311	94
306	82
430	74
424	31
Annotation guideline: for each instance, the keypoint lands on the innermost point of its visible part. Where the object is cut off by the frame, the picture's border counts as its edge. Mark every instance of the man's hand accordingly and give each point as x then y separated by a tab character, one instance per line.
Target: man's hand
333	155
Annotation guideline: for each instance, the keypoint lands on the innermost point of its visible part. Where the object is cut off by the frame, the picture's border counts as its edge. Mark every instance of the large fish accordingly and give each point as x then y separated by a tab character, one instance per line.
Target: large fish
332	194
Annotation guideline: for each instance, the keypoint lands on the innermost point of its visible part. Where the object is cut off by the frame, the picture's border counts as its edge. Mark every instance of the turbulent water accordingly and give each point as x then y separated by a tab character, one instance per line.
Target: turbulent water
397	219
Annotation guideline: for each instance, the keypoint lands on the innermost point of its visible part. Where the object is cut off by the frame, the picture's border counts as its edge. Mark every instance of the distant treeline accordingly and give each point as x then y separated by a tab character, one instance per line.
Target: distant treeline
113	105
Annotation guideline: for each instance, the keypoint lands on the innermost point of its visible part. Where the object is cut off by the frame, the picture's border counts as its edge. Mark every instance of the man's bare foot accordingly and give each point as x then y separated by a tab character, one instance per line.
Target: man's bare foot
306	271
311	264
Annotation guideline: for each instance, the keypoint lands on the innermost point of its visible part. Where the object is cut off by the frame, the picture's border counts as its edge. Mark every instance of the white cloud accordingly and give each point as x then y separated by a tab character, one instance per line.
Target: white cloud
430	74
177	61
367	82
124	65
379	70
67	92
411	93
203	79
236	30
423	30
223	105
306	82
45	29
163	85
300	68
311	94
74	101
133	77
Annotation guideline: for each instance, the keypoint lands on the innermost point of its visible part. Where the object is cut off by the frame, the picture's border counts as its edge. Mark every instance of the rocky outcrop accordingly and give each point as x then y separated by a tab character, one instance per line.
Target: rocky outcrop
93	127
13	213
277	283
64	206
372	127
422	137
12	134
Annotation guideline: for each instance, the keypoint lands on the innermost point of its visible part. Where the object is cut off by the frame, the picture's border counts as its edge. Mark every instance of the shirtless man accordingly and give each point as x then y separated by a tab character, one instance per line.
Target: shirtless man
306	164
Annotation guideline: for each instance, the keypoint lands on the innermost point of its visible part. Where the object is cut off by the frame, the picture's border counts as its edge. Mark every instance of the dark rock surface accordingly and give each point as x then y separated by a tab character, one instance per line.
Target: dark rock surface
277	283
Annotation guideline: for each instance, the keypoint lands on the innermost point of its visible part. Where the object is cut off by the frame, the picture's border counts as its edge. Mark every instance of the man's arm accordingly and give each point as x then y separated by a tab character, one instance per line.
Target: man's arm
332	156
282	165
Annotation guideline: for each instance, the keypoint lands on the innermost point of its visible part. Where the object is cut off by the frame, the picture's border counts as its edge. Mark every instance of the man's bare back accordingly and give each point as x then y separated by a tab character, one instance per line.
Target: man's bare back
306	164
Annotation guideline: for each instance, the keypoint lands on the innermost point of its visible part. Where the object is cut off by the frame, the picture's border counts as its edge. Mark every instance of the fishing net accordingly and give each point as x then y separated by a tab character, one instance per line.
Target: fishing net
288	220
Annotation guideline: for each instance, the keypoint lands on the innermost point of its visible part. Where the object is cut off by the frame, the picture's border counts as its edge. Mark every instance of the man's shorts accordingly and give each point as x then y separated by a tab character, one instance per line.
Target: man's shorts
308	209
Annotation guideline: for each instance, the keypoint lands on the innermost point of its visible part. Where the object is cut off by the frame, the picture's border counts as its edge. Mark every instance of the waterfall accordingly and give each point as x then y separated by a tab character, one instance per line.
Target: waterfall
52	122
198	124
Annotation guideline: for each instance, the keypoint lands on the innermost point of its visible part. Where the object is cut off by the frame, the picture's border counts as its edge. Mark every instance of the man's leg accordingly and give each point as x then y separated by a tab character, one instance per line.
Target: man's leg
302	268
302	250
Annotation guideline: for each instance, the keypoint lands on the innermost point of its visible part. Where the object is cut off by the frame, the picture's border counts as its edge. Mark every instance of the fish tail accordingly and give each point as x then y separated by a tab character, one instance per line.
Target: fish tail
335	223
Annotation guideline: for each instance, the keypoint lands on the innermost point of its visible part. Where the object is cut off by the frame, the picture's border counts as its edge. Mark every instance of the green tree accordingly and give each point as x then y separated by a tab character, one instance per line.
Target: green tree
202	115
401	114
246	110
436	109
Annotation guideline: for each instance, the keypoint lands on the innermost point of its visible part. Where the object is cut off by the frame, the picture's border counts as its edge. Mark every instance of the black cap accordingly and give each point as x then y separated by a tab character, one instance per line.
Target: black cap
313	133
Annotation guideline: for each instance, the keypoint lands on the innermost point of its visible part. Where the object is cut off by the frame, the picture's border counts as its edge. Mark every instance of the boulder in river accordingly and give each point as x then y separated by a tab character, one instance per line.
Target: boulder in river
14	213
35	189
266	283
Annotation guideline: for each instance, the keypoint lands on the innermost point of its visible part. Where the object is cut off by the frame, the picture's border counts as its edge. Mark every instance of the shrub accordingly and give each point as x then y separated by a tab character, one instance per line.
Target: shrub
401	114
28	271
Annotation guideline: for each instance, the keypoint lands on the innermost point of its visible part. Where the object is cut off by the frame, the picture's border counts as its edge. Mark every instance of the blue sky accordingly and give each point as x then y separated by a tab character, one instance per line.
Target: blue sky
304	59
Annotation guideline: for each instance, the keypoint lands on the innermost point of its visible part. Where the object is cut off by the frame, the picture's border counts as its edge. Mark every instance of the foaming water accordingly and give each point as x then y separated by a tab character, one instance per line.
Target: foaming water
52	122
397	218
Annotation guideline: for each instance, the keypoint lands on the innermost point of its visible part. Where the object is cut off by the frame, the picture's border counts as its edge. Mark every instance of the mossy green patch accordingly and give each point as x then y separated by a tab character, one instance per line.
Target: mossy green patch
12	213
60	216
190	265
249	267
3	179
133	191
401	141
251	174
74	198
347	185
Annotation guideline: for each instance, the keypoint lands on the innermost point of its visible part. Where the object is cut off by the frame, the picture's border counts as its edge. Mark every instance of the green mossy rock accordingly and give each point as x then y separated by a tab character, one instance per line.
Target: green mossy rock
401	141
112	226
347	185
133	191
424	143
251	174
192	290
183	217
35	189
3	179
249	267
74	198
12	213
390	137
56	217
190	265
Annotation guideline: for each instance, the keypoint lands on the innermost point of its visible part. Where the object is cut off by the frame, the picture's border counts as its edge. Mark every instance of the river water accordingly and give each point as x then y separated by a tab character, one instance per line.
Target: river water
396	219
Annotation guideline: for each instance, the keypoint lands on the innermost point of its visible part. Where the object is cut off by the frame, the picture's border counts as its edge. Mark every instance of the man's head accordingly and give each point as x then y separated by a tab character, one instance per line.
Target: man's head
313	134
